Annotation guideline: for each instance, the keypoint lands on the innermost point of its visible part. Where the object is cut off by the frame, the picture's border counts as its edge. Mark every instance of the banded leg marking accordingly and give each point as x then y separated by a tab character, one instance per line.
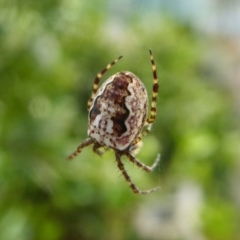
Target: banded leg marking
142	165
97	79
84	144
153	110
128	179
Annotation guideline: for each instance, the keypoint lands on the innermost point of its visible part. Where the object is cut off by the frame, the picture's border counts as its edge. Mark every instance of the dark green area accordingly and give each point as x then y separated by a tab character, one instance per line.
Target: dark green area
50	53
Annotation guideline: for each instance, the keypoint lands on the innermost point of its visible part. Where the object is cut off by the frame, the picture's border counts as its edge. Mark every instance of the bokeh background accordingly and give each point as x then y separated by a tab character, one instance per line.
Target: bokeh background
50	53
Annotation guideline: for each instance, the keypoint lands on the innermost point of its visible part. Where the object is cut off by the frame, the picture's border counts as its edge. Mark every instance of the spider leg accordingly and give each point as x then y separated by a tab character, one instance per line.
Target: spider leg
147	130
84	144
153	110
97	79
128	179
142	134
146	168
96	147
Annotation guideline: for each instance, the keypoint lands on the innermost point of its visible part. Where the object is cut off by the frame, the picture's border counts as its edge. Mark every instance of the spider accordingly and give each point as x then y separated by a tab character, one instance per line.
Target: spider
118	118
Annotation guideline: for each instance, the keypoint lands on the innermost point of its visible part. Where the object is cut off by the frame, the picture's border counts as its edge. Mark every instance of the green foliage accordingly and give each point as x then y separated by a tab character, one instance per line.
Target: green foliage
50	52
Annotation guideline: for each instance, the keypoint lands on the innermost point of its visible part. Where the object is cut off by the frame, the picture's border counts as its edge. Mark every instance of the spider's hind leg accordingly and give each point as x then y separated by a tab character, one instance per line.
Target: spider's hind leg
146	168
128	179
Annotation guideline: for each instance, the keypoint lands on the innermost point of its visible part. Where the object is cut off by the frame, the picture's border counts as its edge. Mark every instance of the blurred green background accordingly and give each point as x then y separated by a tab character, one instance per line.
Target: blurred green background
50	53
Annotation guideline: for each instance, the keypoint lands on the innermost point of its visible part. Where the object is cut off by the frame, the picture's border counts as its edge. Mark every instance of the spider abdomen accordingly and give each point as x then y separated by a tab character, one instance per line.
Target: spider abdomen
118	111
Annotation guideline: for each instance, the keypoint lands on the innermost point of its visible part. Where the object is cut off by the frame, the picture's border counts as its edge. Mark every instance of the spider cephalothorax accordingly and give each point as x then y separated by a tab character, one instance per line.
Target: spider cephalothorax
117	117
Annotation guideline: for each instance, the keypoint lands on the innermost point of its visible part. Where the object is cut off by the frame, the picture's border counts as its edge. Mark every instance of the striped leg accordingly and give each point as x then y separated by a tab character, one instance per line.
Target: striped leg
84	144
153	110
128	179
97	79
141	165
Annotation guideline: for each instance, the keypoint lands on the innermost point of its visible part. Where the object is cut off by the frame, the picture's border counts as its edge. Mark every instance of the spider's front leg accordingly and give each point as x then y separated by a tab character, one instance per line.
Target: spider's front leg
97	79
155	88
